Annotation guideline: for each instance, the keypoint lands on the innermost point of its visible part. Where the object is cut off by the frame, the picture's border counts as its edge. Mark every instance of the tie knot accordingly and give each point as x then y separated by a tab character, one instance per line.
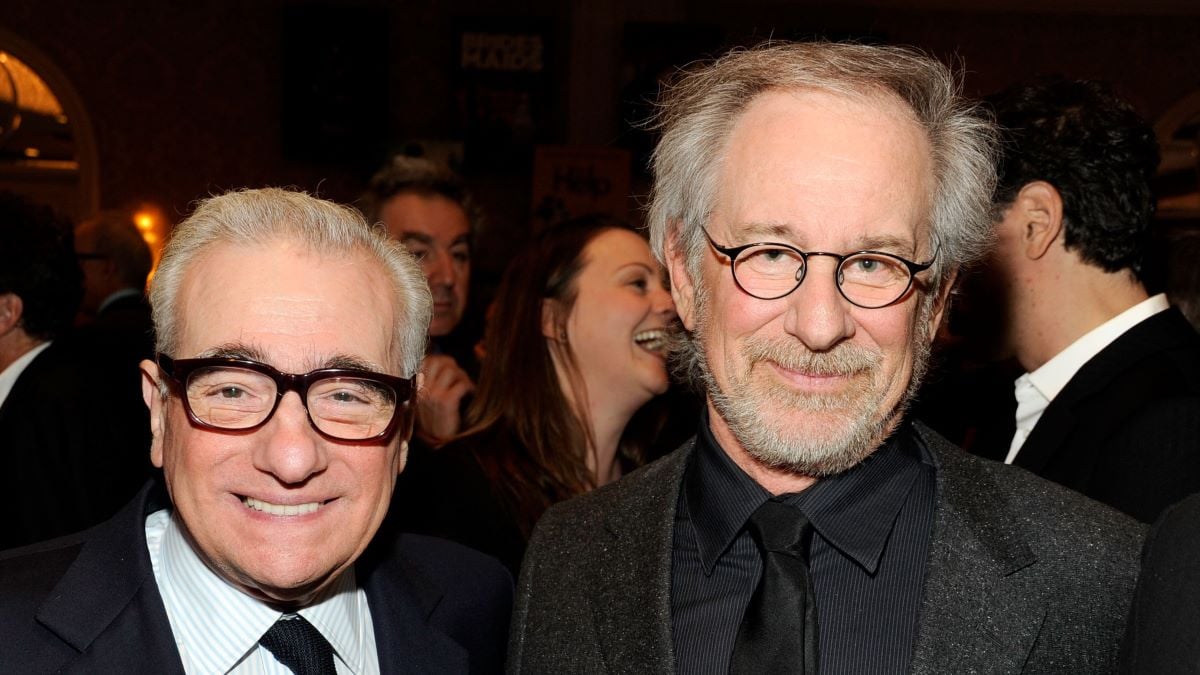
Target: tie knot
297	644
780	528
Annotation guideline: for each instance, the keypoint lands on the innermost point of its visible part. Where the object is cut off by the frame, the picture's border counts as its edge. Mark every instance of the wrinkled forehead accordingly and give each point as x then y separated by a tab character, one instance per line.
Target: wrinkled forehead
814	162
288	301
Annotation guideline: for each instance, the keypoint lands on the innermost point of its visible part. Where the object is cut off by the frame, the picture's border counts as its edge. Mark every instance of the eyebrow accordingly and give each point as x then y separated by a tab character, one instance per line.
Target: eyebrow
643	266
880	242
418	237
247	352
422	238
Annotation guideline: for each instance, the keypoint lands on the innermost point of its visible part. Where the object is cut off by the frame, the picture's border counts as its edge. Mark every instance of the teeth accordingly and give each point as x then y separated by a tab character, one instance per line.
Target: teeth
653	340
281	509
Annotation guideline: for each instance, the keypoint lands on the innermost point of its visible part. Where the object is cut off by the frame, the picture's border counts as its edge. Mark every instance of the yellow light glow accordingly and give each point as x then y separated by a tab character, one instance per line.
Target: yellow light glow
32	152
3	57
144	220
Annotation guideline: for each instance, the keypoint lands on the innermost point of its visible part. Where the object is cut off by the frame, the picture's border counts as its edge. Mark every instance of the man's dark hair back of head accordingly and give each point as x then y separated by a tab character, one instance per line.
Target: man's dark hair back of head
1096	151
38	265
417	175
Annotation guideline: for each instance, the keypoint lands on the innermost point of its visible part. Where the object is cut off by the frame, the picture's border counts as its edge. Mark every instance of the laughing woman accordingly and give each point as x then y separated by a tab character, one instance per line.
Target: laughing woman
575	346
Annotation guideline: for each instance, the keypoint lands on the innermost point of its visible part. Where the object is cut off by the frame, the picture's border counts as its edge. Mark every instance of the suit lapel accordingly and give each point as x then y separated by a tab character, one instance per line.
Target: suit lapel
630	583
107	605
978	612
401	600
1163	331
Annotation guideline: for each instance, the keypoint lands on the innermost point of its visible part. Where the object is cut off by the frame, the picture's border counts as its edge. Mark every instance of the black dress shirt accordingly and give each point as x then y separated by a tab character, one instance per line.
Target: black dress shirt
873	525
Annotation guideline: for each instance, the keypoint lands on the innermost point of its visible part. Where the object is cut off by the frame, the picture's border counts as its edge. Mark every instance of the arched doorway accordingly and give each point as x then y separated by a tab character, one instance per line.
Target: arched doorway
47	147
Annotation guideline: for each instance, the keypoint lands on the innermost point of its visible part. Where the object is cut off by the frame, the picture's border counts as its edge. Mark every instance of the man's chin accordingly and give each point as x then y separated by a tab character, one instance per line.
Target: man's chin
822	438
812	455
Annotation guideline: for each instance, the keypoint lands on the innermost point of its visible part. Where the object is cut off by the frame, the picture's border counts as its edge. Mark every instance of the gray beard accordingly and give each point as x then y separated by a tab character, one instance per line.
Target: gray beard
860	423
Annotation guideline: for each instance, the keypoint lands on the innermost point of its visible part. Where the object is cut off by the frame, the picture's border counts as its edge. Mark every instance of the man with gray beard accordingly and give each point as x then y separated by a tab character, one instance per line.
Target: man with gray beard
813	203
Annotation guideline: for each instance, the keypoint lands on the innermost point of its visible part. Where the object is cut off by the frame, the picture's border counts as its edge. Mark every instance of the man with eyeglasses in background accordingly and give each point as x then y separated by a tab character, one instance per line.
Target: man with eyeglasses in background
812	203
289	335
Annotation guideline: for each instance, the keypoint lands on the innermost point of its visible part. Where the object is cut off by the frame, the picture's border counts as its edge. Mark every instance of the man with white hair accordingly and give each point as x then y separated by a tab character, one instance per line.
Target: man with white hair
813	203
289	335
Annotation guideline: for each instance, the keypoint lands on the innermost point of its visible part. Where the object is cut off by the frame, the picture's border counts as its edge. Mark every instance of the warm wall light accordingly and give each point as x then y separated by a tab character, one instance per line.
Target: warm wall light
152	223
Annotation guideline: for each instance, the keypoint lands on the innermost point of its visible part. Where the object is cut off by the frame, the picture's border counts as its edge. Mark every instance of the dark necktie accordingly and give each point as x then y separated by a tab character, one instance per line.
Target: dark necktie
778	633
299	646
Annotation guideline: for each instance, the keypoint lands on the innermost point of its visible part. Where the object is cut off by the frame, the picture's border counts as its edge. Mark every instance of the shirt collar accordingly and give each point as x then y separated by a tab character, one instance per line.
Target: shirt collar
854	511
118	295
9	376
1054	374
222	625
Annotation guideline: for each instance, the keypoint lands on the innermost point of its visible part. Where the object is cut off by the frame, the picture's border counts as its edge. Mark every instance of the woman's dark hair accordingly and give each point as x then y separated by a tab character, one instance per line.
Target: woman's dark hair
519	387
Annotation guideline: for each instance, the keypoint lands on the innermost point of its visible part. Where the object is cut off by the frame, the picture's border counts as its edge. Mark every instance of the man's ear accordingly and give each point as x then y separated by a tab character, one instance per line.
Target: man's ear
153	394
941	302
11	310
683	288
1039	207
407	422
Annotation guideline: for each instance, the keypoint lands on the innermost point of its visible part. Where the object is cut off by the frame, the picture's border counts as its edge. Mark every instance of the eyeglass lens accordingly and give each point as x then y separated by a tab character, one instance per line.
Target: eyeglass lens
866	279
234	398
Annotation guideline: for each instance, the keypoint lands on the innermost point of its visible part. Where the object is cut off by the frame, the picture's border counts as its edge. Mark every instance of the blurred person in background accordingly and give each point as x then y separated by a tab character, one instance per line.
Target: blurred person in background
1109	402
576	345
69	461
114	329
426	207
116	262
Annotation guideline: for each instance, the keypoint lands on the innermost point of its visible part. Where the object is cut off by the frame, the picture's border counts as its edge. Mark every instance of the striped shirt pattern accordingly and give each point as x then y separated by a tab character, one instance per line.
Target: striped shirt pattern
217	627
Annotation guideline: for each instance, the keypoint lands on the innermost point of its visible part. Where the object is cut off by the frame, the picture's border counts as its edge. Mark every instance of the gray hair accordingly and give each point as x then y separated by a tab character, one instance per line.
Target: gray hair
698	112
255	217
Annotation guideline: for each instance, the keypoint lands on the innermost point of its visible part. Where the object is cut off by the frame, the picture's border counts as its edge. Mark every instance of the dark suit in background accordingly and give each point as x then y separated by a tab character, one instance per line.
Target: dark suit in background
1164	626
89	603
1126	428
72	451
1014	583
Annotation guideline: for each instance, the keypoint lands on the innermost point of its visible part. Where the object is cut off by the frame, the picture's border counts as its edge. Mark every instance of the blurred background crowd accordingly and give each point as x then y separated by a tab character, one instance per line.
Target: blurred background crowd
505	147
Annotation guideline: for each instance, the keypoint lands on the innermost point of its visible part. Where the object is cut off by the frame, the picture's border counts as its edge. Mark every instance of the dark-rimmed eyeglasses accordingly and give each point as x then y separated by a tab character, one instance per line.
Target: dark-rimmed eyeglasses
241	395
867	279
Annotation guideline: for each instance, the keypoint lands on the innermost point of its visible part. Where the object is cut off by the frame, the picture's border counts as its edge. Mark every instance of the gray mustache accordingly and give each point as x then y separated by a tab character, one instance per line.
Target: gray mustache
844	359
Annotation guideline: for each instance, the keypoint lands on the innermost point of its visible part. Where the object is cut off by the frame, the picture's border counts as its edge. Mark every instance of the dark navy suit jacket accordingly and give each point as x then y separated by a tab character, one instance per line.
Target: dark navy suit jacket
89	603
1126	428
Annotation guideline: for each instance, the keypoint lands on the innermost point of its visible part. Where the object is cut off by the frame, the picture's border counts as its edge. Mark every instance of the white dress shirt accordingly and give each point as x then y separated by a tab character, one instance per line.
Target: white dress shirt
217	627
8	377
1034	391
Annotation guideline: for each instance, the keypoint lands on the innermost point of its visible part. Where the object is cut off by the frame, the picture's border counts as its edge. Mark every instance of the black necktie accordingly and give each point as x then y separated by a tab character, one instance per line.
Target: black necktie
778	633
299	646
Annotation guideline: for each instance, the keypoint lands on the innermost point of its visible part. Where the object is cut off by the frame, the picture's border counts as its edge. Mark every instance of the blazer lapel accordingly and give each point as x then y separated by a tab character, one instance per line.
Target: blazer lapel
630	583
1048	434
1164	331
107	605
978	613
401	600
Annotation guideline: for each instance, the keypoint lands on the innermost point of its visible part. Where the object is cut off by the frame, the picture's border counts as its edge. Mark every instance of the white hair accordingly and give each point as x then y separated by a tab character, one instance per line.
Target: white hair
255	217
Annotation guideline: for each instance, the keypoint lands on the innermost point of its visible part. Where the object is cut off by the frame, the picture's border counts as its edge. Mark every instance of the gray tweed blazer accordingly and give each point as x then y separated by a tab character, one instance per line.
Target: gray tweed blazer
1024	576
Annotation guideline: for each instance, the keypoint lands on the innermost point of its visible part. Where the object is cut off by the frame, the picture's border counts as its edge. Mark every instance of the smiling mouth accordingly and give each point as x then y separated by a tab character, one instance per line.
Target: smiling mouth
652	340
282	509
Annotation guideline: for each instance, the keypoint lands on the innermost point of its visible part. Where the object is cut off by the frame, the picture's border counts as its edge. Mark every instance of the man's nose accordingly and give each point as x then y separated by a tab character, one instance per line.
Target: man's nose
817	313
290	449
439	268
